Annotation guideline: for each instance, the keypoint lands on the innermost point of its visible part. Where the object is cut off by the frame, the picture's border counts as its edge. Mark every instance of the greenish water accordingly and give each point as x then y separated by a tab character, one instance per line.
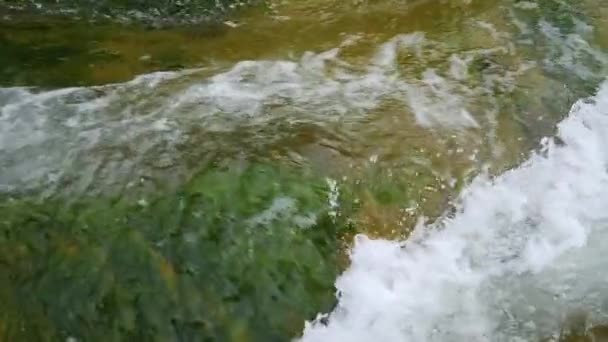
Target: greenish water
204	181
239	255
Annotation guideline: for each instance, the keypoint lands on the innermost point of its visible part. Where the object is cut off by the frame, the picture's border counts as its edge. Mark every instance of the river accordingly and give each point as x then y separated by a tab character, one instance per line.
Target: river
462	142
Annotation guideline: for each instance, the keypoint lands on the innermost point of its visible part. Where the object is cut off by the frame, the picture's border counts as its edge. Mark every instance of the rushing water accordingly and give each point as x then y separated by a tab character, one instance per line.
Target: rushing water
398	103
521	253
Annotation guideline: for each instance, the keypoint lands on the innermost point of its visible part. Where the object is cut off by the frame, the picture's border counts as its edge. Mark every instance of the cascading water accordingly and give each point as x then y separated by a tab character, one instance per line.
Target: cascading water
522	252
154	114
230	188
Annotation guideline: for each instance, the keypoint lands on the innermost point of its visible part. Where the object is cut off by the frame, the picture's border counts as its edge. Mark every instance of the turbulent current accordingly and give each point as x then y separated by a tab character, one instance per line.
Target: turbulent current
521	255
485	122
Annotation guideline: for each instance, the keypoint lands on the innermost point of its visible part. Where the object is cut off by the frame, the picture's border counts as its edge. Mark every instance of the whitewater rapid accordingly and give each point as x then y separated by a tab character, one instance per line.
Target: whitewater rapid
521	256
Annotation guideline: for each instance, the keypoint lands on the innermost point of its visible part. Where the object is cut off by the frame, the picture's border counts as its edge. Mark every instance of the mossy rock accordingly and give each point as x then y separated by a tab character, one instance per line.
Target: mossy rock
139	11
234	256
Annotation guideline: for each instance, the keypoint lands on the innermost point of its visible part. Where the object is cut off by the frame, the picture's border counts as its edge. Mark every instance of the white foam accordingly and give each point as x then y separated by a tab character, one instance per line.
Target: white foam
112	130
526	5
571	51
522	252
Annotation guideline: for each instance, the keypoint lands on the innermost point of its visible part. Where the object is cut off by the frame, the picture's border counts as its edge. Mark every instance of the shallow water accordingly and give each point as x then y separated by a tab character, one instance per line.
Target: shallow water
521	254
473	84
414	109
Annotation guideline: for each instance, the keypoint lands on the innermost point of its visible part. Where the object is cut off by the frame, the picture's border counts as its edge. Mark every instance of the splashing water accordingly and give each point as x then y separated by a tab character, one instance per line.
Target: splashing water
144	123
522	253
430	93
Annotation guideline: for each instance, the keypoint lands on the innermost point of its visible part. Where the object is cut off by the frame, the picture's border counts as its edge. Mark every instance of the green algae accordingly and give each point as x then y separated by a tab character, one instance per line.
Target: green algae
236	255
247	254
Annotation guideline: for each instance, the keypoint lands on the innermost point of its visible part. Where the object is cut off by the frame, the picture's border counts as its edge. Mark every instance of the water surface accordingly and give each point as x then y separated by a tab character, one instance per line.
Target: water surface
410	111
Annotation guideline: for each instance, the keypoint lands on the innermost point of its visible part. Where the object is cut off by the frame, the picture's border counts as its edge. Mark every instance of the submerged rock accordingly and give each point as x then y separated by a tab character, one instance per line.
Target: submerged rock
233	256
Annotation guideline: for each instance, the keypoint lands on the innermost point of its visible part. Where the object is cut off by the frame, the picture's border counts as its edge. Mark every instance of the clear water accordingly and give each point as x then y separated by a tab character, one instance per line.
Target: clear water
521	253
451	97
